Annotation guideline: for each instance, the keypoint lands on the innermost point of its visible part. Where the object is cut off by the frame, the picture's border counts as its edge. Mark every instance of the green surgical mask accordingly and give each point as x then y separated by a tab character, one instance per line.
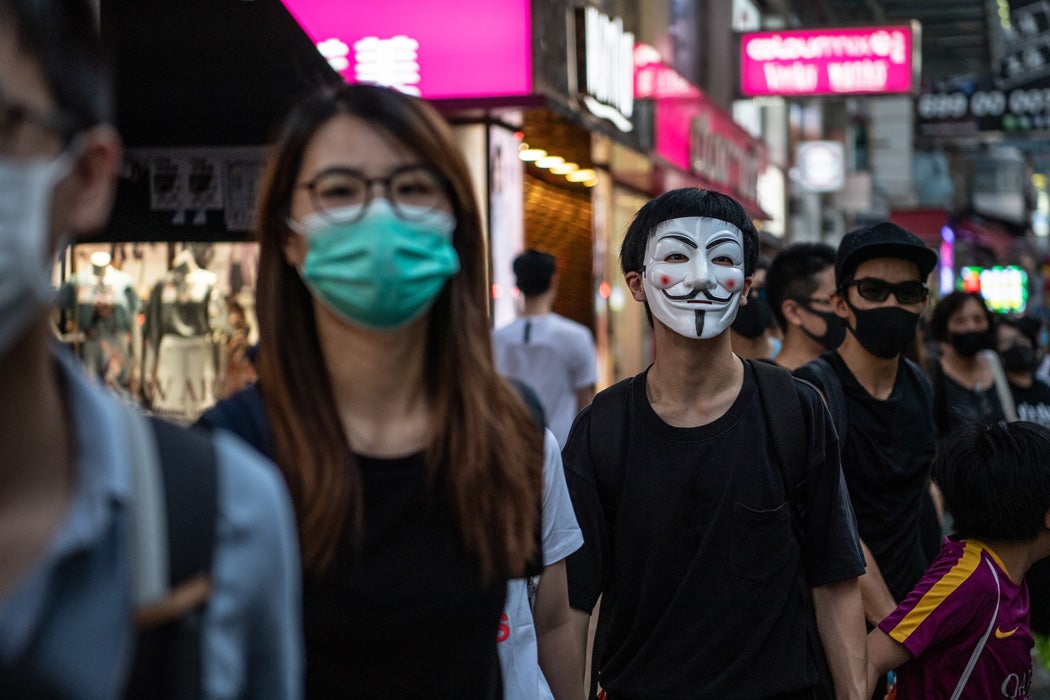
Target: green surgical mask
381	271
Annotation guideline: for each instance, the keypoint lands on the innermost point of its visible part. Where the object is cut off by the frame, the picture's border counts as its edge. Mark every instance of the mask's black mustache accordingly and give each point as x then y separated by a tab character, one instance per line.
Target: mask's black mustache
693	294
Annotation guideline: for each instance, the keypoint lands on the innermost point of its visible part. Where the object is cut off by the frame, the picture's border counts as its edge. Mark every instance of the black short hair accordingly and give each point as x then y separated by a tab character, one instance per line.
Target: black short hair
533	271
996	480
793	274
682	203
63	37
948	305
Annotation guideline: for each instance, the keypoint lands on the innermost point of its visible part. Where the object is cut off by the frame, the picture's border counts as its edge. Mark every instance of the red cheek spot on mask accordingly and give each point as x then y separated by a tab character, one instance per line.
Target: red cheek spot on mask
730	284
664	279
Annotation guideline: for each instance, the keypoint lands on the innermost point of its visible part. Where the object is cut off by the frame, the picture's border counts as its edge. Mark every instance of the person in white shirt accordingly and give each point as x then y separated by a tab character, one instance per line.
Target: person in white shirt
552	354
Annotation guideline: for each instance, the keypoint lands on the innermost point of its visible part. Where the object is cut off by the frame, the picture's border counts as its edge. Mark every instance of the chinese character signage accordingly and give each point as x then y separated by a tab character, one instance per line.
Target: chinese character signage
844	61
450	49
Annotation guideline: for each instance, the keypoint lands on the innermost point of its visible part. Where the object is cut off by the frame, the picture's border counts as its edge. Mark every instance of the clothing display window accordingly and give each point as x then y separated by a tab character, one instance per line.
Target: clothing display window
169	326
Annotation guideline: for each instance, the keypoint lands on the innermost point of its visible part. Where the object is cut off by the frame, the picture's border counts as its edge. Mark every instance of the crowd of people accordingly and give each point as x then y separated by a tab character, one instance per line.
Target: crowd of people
408	504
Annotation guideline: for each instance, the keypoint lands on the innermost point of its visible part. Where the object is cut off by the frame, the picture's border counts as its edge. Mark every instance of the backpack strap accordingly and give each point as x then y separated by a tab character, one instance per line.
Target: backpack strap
940	401
782	406
830	385
787	431
167	661
965	676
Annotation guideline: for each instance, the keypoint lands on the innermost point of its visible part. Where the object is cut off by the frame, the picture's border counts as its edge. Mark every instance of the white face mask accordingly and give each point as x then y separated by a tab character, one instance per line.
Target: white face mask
25	261
694	275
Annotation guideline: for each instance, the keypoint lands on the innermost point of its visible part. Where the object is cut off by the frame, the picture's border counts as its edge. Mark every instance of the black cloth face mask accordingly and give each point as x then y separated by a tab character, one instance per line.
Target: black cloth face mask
835	331
970	343
753	318
885	331
1019	359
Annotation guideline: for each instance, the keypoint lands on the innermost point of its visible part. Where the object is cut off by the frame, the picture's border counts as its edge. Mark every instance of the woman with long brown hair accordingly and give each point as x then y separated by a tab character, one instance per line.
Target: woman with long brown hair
414	468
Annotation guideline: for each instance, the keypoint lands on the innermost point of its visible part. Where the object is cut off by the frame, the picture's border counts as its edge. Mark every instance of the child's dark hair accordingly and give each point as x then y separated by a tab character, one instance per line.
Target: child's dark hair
996	480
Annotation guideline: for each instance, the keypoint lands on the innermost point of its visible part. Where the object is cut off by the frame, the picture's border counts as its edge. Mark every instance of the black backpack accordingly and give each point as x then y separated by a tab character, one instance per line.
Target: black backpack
167	662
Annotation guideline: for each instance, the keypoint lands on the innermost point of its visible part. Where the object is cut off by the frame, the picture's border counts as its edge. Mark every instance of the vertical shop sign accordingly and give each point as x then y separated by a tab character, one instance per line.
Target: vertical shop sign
608	70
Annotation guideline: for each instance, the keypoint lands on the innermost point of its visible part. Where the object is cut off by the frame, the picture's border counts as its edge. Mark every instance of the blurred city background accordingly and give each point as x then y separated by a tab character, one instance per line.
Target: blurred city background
817	115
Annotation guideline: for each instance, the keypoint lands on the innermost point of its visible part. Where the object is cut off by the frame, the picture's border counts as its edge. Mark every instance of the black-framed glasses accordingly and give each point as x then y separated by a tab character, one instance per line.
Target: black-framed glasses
342	195
15	118
874	289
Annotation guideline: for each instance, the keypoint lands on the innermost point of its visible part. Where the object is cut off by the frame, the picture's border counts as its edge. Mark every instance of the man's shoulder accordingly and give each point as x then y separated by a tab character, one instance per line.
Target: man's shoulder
567	325
244	415
506	329
250	485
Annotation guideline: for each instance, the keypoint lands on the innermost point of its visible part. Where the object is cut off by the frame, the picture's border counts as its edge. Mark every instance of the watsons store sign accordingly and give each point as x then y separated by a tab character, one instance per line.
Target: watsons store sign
861	60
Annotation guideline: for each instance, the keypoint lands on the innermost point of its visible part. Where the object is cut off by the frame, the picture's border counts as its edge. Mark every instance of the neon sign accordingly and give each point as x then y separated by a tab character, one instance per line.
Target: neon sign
419	46
862	60
1004	288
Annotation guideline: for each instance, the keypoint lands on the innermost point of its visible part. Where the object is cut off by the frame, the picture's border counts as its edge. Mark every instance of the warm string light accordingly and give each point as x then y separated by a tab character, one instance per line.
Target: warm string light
557	165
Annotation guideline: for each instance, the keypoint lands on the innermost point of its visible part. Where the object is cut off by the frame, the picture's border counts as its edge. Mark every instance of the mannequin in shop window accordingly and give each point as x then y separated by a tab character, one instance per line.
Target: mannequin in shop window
180	350
102	305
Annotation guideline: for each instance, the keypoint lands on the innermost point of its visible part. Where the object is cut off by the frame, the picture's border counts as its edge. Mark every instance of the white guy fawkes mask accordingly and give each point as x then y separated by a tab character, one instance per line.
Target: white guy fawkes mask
694	275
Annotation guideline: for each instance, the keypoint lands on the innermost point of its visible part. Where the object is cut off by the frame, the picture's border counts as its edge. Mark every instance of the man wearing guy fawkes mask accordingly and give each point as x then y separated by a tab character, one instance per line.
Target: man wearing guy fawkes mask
882	404
703	529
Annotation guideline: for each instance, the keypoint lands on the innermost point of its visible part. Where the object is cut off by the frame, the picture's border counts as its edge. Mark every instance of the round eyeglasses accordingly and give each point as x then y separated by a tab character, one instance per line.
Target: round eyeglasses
342	195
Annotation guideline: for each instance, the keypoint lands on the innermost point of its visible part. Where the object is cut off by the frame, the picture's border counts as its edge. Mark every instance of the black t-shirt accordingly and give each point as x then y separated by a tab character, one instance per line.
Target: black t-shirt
964	406
1033	403
699	569
407	617
886	459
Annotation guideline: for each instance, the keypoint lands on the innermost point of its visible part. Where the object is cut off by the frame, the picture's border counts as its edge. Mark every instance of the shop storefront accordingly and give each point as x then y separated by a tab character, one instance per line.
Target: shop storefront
160	306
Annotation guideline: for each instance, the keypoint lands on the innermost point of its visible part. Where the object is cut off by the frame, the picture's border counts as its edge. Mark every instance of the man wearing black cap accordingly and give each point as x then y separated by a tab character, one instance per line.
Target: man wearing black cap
882	403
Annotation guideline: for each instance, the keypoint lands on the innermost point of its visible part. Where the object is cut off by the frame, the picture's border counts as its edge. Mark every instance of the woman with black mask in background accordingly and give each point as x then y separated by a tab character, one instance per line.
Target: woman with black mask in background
963	377
1015	340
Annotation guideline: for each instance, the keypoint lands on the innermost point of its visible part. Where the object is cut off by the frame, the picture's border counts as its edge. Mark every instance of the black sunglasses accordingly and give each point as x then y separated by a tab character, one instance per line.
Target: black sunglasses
874	289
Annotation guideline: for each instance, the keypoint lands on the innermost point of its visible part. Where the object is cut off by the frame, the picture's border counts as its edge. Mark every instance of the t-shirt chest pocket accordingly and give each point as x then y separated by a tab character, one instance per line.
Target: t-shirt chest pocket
761	542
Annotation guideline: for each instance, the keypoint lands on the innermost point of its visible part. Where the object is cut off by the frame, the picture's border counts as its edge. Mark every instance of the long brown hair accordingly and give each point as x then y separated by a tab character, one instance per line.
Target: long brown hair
484	449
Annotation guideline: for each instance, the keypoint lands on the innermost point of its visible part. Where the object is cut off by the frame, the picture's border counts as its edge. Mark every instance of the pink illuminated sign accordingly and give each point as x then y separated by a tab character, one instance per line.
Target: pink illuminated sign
855	60
696	135
422	47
